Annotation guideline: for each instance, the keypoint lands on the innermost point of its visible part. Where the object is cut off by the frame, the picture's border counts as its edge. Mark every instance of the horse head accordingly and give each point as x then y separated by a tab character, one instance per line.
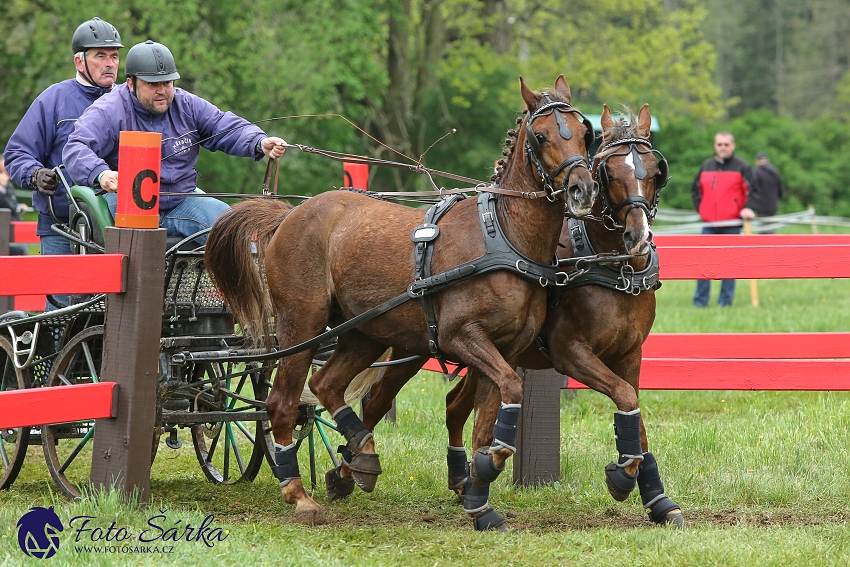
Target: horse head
630	175
552	139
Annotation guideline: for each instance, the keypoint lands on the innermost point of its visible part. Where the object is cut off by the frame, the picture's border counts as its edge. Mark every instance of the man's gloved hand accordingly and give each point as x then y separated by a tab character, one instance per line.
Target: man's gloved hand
45	180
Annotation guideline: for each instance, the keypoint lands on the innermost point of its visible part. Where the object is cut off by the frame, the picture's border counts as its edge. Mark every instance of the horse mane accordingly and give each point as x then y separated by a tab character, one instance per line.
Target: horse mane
513	133
625	126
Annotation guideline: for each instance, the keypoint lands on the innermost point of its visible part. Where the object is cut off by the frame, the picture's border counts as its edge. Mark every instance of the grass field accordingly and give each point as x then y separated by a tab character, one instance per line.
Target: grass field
761	478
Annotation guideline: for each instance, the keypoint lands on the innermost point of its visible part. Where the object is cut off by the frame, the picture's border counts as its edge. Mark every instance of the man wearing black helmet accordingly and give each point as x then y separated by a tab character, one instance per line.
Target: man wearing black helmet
149	102
35	147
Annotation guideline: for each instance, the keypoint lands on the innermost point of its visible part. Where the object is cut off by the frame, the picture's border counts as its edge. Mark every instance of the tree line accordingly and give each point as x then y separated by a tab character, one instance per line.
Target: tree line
406	72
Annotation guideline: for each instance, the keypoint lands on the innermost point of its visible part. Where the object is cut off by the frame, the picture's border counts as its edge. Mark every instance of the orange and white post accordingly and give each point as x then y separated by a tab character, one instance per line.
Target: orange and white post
139	155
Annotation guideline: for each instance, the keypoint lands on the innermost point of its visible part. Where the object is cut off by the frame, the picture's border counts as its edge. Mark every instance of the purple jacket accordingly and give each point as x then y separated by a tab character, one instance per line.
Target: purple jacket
93	147
40	137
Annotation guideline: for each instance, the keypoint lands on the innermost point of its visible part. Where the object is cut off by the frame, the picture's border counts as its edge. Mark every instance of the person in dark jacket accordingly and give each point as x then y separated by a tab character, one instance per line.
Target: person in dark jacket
720	193
36	145
149	102
766	201
9	201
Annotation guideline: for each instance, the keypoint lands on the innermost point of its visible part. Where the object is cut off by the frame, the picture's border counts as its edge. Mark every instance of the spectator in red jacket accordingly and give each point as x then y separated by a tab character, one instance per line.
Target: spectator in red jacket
720	193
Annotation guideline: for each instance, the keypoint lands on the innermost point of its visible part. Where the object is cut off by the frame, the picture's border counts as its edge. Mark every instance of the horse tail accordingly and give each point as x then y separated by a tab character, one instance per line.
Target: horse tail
229	258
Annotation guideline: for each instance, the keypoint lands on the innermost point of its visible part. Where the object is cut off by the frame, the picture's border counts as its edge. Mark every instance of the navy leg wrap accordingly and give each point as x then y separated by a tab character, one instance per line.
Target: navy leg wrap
476	499
482	469
652	490
504	430
352	428
458	467
627	431
286	465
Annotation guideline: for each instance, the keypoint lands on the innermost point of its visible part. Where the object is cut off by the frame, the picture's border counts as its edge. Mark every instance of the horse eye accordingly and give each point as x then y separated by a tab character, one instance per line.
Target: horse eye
540	138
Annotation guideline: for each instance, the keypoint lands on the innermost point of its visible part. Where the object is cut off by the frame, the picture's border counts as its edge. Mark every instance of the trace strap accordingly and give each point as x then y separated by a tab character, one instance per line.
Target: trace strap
500	255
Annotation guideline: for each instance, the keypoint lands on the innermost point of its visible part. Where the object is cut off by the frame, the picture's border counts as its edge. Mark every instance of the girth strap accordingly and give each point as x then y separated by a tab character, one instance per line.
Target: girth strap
424	235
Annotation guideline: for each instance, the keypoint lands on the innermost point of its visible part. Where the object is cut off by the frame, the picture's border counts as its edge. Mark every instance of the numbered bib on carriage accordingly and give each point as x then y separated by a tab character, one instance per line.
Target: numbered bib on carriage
139	156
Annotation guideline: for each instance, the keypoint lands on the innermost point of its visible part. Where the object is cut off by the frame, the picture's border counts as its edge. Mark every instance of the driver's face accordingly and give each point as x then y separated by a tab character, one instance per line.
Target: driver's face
102	65
155	97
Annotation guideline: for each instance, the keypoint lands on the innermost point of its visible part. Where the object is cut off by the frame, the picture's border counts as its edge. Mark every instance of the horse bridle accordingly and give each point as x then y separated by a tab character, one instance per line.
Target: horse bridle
633	201
532	145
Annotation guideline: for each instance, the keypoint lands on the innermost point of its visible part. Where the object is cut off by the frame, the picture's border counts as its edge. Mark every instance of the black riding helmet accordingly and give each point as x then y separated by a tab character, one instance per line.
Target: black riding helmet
94	33
152	62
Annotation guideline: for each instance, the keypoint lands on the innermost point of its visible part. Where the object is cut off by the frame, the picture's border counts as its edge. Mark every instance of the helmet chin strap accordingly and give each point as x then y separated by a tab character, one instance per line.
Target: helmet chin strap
87	75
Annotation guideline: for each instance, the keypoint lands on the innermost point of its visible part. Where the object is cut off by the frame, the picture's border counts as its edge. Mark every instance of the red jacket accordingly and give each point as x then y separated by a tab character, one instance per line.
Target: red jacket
720	189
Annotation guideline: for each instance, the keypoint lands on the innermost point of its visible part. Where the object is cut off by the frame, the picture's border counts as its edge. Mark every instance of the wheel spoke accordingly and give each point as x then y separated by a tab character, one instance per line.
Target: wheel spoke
93	372
4	455
77	450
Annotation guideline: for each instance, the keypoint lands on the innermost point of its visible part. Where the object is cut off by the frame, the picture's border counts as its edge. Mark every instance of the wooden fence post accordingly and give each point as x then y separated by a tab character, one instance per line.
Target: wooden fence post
7	303
538	456
122	445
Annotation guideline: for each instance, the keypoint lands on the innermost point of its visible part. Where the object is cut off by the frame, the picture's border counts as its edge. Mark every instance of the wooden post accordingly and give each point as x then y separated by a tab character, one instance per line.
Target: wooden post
754	289
6	303
538	456
122	446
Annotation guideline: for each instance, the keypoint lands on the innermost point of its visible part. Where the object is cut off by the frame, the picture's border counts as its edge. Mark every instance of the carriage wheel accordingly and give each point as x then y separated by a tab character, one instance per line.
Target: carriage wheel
230	451
13	441
68	446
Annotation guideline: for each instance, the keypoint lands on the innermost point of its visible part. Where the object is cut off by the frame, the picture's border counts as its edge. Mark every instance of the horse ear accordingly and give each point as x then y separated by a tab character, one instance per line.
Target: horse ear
562	88
529	96
606	120
644	121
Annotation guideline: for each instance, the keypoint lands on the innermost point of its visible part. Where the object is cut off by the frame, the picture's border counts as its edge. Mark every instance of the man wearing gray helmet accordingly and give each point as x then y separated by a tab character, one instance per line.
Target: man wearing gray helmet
35	147
149	102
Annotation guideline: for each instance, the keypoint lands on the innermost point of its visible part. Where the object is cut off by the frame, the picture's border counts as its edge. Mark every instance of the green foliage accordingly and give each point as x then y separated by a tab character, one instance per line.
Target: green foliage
803	152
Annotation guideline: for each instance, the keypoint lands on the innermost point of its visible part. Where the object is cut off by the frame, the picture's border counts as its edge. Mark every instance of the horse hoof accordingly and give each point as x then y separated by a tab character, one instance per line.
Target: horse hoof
336	486
490	520
620	483
310	517
674	518
365	469
365	481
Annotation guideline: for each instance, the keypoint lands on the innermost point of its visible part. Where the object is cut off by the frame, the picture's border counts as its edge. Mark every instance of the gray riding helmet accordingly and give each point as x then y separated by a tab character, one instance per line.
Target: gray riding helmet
151	62
95	33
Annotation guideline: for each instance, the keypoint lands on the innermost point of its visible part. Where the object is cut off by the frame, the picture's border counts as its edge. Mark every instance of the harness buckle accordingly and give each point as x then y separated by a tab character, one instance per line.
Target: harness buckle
520	270
562	278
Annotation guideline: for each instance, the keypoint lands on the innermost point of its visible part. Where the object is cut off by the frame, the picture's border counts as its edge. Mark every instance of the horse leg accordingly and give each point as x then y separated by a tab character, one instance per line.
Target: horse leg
460	402
339	482
581	363
662	509
483	469
282	407
353	354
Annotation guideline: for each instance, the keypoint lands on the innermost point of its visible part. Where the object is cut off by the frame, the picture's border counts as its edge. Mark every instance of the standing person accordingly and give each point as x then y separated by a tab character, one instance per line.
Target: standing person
9	201
719	192
766	201
149	102
35	147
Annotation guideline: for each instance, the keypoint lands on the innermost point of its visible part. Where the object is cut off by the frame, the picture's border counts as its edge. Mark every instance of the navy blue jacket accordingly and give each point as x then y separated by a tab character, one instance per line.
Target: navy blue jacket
40	137
93	147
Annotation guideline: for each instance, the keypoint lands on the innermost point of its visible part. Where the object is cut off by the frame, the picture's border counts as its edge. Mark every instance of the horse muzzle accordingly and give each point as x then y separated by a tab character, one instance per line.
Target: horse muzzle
581	196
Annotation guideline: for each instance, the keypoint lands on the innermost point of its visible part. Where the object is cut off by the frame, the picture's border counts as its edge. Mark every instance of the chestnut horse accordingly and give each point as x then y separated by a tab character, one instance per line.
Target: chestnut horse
339	254
595	333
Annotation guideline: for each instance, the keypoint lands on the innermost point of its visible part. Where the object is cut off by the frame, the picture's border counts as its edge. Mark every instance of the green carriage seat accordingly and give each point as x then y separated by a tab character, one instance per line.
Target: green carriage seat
91	217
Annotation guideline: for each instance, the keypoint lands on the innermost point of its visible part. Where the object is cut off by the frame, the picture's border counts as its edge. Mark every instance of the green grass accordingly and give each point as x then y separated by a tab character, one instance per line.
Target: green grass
761	476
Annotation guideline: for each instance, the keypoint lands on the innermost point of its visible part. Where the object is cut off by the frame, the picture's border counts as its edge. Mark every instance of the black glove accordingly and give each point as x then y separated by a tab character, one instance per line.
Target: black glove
45	180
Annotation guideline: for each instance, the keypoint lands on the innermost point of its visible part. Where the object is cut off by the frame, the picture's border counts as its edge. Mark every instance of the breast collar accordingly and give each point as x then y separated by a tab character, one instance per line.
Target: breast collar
624	278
